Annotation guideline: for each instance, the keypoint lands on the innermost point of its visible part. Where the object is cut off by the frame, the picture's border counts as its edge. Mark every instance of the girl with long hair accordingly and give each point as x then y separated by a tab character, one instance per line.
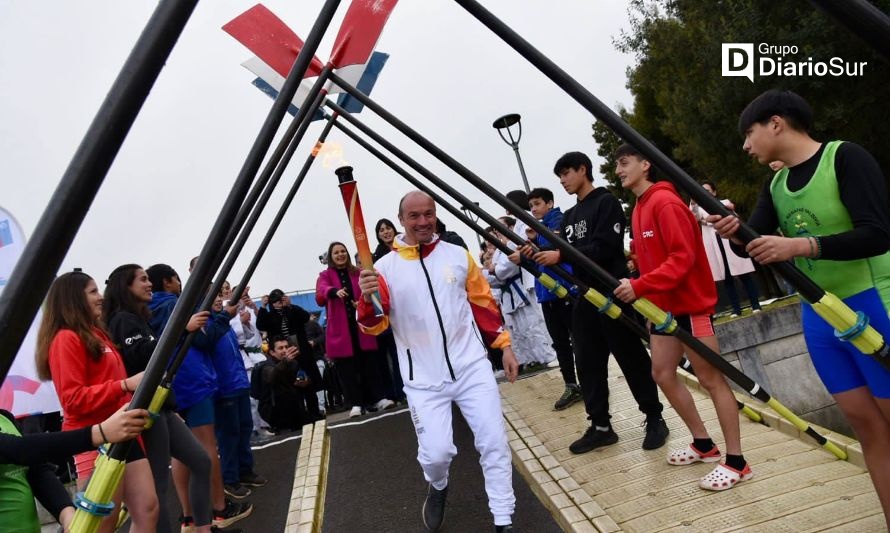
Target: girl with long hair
385	231
127	295
75	351
354	353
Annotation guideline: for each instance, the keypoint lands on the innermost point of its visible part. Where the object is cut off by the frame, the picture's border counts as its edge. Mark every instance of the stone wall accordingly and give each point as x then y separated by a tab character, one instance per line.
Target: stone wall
769	348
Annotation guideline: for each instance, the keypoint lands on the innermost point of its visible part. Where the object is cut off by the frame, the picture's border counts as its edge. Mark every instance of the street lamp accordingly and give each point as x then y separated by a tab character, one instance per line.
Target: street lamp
503	124
475	218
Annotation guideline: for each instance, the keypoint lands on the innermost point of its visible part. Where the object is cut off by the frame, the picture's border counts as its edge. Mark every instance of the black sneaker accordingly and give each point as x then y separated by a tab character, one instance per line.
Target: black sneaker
232	513
571	395
592	439
252	479
237	491
434	508
503	529
656	433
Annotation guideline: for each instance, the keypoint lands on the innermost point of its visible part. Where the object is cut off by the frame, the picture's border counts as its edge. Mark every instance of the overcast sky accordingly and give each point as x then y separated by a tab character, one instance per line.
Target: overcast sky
448	77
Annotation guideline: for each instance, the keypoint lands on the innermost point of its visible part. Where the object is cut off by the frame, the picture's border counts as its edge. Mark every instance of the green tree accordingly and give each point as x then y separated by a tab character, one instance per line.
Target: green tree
685	107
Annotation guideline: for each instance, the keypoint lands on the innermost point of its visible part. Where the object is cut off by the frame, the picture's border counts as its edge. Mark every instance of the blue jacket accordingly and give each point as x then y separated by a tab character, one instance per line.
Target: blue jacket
230	371
196	378
161	306
553	221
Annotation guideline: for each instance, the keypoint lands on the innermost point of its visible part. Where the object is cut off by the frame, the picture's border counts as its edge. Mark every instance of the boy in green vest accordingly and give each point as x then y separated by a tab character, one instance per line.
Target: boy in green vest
830	202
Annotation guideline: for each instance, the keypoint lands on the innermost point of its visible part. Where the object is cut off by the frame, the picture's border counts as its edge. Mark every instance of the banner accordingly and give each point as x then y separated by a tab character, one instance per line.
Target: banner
22	392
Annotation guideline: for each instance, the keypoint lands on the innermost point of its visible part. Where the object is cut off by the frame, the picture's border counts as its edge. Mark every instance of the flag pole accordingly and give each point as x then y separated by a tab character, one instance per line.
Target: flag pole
109	468
663	320
57	227
854	327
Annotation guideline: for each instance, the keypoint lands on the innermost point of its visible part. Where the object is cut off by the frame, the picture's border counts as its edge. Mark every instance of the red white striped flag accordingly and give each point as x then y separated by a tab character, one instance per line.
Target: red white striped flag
267	36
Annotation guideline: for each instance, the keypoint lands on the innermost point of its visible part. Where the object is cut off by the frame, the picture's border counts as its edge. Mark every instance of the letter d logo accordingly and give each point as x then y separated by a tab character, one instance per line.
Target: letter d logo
738	60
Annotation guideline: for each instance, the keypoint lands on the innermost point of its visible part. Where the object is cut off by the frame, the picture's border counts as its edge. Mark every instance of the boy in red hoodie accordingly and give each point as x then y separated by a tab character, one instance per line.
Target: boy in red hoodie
675	275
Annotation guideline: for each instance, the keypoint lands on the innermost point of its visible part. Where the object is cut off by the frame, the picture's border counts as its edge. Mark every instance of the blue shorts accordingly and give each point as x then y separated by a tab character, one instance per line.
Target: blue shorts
200	414
840	365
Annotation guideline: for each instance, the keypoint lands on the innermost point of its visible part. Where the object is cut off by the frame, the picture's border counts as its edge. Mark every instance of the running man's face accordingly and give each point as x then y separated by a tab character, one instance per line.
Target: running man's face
573	179
418	217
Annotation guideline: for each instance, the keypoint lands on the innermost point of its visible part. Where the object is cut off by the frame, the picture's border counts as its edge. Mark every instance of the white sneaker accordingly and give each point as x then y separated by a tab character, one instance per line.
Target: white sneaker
499	374
385	403
553	364
264	433
355	412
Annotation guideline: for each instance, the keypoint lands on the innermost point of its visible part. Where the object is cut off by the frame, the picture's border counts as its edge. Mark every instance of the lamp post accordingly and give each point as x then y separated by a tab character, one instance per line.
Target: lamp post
472	216
503	124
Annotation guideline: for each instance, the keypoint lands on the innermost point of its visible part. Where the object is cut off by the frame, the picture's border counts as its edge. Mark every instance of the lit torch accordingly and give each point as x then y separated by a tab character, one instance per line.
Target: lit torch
351	201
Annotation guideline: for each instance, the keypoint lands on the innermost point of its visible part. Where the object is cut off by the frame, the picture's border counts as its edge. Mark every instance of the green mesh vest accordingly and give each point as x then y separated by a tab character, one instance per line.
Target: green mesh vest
17	509
817	210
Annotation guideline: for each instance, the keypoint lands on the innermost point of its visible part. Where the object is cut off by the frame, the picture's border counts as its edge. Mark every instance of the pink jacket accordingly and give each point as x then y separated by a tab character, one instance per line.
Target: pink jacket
337	339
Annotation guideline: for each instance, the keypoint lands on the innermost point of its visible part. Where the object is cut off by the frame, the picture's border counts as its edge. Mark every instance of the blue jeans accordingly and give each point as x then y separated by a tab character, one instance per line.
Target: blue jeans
233	427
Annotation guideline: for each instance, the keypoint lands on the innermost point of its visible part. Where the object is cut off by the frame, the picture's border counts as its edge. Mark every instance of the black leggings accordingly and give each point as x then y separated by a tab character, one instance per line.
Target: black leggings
169	437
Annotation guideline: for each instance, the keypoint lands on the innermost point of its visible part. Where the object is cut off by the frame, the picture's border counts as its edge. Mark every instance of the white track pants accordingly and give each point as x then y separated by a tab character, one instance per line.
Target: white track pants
476	395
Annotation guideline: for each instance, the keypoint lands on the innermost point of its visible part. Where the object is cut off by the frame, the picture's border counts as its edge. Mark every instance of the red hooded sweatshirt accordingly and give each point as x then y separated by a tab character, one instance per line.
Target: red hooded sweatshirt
674	270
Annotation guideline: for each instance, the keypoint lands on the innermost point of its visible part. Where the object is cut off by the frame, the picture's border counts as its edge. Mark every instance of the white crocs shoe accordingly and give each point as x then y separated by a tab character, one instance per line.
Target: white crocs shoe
689	455
724	477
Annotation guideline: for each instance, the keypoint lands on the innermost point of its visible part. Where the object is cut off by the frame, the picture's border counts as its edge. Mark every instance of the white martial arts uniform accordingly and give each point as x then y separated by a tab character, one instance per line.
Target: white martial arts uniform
440	308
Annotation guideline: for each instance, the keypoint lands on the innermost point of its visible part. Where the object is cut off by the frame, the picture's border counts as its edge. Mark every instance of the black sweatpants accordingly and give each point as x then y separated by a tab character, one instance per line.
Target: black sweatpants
594	336
558	318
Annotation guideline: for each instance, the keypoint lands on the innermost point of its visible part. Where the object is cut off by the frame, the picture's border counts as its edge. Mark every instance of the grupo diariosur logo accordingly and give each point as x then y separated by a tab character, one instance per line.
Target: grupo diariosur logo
738	59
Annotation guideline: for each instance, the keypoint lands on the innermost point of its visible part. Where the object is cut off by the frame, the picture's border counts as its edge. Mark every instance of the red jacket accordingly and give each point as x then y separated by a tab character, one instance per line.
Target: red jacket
88	389
674	270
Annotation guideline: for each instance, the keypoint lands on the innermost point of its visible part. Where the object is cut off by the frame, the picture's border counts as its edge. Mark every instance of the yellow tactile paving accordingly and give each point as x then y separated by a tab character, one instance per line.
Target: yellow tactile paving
798	486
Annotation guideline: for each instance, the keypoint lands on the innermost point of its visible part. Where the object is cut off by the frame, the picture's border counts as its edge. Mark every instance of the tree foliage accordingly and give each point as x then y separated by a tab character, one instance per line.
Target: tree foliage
686	108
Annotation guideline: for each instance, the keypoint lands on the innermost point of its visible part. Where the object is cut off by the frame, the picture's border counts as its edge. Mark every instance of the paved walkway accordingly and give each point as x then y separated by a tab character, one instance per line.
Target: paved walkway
797	485
374	483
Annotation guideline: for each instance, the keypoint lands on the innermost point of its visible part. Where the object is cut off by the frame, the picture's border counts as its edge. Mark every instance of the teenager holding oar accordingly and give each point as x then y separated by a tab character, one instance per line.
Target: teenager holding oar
830	202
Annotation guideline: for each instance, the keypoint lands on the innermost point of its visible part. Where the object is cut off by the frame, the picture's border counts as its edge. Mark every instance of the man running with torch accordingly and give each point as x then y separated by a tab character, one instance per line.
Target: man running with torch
439	305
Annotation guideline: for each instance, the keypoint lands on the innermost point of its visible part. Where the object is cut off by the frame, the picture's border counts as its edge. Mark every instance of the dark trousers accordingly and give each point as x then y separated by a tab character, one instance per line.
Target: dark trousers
389	367
595	336
558	318
234	426
360	377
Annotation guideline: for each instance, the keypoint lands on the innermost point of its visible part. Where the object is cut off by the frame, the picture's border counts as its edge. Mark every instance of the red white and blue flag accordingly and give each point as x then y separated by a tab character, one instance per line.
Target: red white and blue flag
362	78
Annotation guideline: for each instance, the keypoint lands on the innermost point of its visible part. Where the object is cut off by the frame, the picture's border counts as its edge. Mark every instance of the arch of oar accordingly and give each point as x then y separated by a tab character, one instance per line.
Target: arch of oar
78	186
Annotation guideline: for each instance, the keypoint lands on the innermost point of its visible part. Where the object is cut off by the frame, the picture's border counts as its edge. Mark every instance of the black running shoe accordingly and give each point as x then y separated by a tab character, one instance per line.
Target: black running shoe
231	514
503	529
237	491
592	439
571	395
656	433
434	508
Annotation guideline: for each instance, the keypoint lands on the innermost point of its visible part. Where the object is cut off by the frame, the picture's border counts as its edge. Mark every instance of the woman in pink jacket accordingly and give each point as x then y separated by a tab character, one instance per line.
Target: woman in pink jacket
353	353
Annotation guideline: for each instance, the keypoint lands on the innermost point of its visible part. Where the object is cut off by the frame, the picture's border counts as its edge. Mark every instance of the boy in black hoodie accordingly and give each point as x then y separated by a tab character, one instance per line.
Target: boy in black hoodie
595	226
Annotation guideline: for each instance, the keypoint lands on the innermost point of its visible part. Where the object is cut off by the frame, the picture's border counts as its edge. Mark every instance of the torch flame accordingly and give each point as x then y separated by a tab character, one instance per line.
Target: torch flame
331	154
